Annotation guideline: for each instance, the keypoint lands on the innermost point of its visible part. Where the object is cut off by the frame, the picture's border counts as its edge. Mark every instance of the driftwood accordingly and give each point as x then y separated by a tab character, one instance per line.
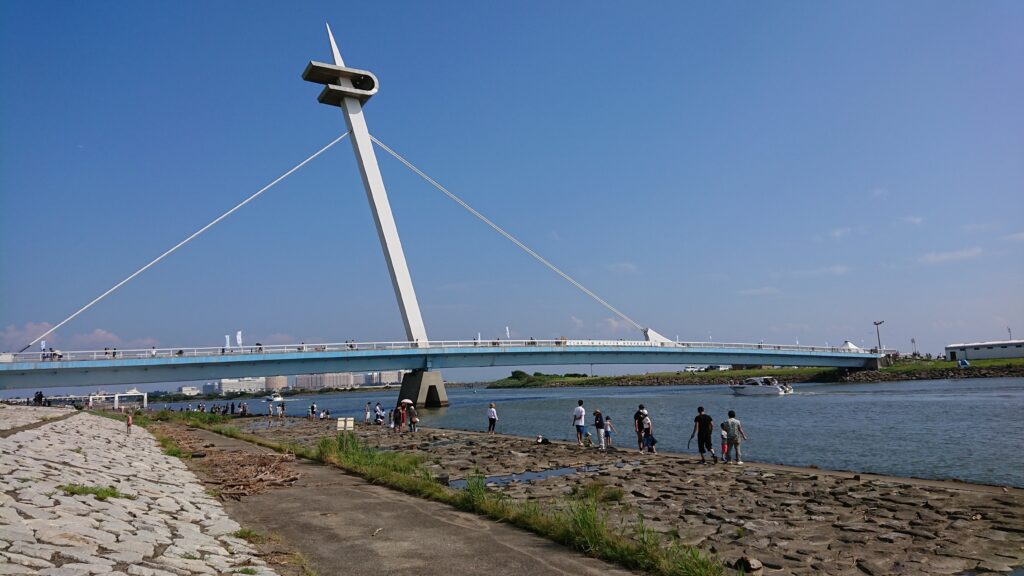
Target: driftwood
236	473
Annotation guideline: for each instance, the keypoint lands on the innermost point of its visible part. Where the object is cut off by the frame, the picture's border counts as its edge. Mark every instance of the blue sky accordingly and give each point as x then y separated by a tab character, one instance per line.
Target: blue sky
735	171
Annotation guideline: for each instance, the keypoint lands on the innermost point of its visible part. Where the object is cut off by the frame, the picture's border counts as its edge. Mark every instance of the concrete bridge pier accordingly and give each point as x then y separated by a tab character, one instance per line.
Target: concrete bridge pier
425	388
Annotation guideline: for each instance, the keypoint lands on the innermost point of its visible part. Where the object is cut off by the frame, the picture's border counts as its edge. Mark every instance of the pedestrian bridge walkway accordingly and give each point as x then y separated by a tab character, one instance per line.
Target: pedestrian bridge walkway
109	367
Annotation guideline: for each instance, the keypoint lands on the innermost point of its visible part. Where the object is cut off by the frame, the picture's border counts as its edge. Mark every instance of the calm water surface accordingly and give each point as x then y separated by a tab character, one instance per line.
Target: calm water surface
970	430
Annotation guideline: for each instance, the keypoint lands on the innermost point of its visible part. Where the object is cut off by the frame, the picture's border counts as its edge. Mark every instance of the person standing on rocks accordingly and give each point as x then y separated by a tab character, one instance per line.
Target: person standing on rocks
492	418
638	426
703	425
609	428
649	439
735	432
579	416
725	443
128	421
366	414
599	428
414	418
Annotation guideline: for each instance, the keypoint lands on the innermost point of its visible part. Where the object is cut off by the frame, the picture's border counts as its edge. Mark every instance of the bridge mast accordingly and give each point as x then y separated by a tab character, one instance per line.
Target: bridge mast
349	89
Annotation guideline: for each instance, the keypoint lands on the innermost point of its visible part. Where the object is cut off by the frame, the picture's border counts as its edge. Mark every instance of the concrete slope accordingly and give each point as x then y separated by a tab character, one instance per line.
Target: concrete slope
345	525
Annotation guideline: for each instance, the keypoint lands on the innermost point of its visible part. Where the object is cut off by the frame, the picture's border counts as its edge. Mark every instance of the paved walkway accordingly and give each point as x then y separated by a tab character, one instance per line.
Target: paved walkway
164	525
344	525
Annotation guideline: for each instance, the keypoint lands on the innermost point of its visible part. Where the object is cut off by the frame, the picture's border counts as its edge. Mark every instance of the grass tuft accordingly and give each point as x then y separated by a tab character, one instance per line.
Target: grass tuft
599	491
99	492
247	535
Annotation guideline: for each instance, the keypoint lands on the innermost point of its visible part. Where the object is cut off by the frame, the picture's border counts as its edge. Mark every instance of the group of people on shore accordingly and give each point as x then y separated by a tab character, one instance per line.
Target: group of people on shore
241	409
403	417
731	433
314	414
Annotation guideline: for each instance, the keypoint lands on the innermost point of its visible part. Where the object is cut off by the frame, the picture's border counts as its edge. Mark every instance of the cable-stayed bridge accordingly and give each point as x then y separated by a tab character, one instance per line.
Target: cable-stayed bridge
100	367
349	89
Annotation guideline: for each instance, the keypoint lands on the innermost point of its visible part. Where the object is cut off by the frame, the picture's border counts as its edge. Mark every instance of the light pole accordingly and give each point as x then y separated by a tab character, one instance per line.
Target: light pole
878	323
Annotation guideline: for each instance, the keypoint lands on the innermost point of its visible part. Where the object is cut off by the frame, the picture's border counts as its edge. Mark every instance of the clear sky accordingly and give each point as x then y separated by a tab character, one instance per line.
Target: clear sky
737	171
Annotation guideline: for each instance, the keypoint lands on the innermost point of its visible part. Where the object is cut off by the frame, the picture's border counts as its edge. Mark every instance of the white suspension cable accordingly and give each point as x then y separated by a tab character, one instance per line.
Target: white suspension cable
501	231
187	240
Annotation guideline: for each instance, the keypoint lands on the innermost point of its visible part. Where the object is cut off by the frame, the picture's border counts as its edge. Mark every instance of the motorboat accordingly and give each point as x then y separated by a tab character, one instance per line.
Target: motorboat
761	386
276	397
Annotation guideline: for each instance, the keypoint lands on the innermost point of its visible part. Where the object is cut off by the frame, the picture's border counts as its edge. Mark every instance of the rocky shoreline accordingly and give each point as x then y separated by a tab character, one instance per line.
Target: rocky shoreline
793	520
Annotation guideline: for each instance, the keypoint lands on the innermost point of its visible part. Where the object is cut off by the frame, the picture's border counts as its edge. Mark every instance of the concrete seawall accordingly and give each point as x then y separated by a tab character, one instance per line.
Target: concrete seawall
161	524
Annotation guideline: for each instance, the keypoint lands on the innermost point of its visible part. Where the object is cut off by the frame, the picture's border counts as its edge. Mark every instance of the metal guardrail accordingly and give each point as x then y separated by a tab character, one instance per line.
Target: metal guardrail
212	351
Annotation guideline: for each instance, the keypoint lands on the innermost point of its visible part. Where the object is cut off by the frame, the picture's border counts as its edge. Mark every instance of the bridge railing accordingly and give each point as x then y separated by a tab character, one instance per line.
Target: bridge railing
213	351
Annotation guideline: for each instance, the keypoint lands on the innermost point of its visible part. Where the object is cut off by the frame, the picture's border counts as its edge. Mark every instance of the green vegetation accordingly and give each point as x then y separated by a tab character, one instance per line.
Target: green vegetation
599	492
520	379
247	571
905	365
144	419
246	534
902	369
169	446
100	492
303	564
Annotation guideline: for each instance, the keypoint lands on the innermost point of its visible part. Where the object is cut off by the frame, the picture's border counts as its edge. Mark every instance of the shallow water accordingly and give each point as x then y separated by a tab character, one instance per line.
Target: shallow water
969	430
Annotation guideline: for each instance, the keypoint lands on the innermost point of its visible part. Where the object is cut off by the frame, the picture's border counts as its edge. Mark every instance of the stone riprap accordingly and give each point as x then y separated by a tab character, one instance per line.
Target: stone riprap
793	520
162	524
14	416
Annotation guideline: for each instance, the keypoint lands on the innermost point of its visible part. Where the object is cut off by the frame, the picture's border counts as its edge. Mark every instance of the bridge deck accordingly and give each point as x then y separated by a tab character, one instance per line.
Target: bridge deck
97	368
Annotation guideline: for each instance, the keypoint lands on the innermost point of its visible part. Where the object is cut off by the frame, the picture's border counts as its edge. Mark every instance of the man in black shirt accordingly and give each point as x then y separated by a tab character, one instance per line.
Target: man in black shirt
638	426
703	425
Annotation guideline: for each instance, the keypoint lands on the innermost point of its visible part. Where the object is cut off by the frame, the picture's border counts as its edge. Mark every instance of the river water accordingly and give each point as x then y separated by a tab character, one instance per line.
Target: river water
969	430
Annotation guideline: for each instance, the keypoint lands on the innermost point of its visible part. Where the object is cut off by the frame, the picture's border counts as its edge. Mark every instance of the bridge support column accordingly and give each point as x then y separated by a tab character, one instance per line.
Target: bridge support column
425	388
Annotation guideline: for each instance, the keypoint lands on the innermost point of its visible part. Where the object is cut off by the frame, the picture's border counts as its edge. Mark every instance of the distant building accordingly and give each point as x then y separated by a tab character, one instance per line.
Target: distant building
239	385
276	383
386	377
211	388
986	350
189	390
334	380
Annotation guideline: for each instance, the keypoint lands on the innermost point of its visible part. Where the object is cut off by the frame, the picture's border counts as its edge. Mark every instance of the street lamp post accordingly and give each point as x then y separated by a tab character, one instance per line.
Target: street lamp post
878	334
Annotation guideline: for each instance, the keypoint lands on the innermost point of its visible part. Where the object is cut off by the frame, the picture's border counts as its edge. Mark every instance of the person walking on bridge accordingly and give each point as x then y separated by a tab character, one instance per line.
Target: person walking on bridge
703	425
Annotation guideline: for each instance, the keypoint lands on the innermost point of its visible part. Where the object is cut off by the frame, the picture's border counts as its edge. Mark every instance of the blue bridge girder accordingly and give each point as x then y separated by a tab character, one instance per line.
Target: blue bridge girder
99	368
